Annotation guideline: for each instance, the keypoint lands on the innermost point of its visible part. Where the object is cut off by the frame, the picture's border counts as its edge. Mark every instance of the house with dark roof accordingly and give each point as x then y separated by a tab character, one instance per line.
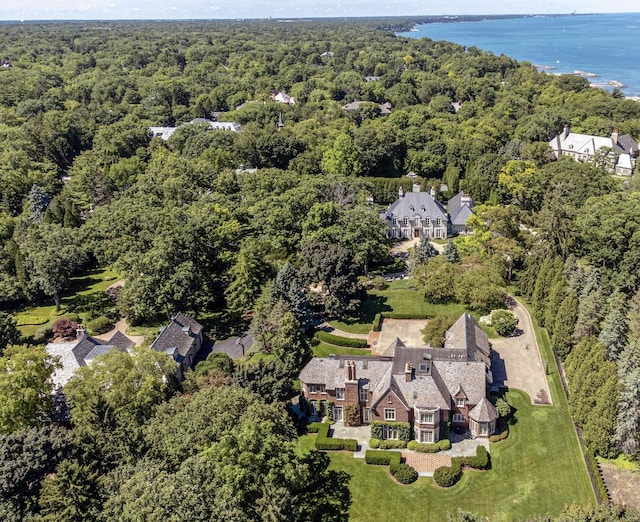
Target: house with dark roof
419	214
460	208
83	351
384	108
424	386
621	150
181	339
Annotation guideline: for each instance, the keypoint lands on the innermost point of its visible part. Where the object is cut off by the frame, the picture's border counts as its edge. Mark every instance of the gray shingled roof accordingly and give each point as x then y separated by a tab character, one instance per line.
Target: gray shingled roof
178	336
327	371
460	212
79	353
484	411
430	388
417	204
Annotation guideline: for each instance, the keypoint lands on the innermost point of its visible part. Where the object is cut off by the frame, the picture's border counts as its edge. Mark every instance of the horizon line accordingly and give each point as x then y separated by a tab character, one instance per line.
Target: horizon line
306	18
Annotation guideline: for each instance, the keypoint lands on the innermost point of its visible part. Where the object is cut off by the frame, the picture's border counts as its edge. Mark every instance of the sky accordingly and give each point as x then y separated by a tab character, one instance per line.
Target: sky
224	9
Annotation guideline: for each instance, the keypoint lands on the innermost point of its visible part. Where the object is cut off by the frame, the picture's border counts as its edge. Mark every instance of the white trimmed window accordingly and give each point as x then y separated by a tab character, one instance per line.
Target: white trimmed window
390	414
427	221
406	221
316	388
394	221
426	435
389	432
363	394
438	232
416	222
458	417
340	394
438	222
426	418
389	399
460	402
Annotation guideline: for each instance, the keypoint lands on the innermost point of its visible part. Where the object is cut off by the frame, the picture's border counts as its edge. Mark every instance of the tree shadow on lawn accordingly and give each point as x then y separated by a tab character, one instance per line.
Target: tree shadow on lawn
366	313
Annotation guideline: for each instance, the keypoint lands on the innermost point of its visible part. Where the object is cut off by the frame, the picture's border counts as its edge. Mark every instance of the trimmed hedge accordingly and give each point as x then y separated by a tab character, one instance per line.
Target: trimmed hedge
602	488
446	476
382	458
336	340
405	431
444	444
392	444
398	315
499	436
43	334
377	322
99	325
314	427
404	473
326	443
374	443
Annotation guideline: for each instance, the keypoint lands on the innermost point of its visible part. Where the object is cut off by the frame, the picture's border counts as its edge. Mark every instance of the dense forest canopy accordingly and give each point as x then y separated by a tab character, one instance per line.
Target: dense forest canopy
191	226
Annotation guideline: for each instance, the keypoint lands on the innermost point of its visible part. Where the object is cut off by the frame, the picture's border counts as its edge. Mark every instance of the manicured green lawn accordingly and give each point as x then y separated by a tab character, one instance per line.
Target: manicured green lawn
324	350
399	297
537	470
92	282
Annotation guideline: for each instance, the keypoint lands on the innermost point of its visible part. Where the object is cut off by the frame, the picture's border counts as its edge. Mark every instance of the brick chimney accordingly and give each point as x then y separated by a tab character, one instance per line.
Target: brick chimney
614	138
407	372
566	131
400	192
81	333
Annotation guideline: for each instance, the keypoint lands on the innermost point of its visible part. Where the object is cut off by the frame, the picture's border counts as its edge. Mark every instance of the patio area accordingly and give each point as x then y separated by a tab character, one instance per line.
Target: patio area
462	445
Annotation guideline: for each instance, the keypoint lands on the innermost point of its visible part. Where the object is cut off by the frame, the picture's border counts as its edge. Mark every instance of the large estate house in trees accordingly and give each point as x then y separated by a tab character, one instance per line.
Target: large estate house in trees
419	214
423	386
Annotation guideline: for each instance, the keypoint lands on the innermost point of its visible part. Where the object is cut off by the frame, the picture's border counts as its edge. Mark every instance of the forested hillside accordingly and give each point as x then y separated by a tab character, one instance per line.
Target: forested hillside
192	227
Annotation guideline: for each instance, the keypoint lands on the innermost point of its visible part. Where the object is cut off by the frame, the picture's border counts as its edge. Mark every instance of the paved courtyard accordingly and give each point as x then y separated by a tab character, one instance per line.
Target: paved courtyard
407	330
517	362
424	463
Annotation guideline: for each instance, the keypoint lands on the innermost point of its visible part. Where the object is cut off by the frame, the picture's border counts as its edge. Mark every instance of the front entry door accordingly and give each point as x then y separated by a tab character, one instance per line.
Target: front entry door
337	414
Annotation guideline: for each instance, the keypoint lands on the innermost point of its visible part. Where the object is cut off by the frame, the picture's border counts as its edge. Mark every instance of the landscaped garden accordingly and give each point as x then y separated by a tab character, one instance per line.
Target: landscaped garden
537	469
86	291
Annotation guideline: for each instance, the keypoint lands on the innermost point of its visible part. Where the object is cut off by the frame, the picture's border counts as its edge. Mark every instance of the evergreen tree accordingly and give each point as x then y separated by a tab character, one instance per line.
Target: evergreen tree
556	296
423	252
38	201
289	290
590	307
564	326
290	345
451	253
614	333
627	430
544	281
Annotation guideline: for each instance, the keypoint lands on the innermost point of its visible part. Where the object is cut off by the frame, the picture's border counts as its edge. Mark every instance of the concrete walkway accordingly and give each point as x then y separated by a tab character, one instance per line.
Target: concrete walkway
326	327
121	326
517	362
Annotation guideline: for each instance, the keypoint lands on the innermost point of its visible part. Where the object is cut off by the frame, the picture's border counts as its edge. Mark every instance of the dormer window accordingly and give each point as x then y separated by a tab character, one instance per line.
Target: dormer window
460	402
406	221
411	208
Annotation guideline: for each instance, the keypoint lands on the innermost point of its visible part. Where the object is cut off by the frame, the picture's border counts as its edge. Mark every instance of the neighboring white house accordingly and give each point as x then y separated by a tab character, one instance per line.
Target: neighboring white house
283	97
166	132
621	158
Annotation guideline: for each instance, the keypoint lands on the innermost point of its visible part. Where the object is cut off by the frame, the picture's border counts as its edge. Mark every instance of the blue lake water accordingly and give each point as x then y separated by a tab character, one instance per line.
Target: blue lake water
604	44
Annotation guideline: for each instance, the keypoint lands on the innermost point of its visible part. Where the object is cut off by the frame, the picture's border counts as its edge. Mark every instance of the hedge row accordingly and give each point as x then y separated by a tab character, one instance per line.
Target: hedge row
382	458
602	488
324	442
336	340
446	476
429	447
377	322
398	315
392	444
499	436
